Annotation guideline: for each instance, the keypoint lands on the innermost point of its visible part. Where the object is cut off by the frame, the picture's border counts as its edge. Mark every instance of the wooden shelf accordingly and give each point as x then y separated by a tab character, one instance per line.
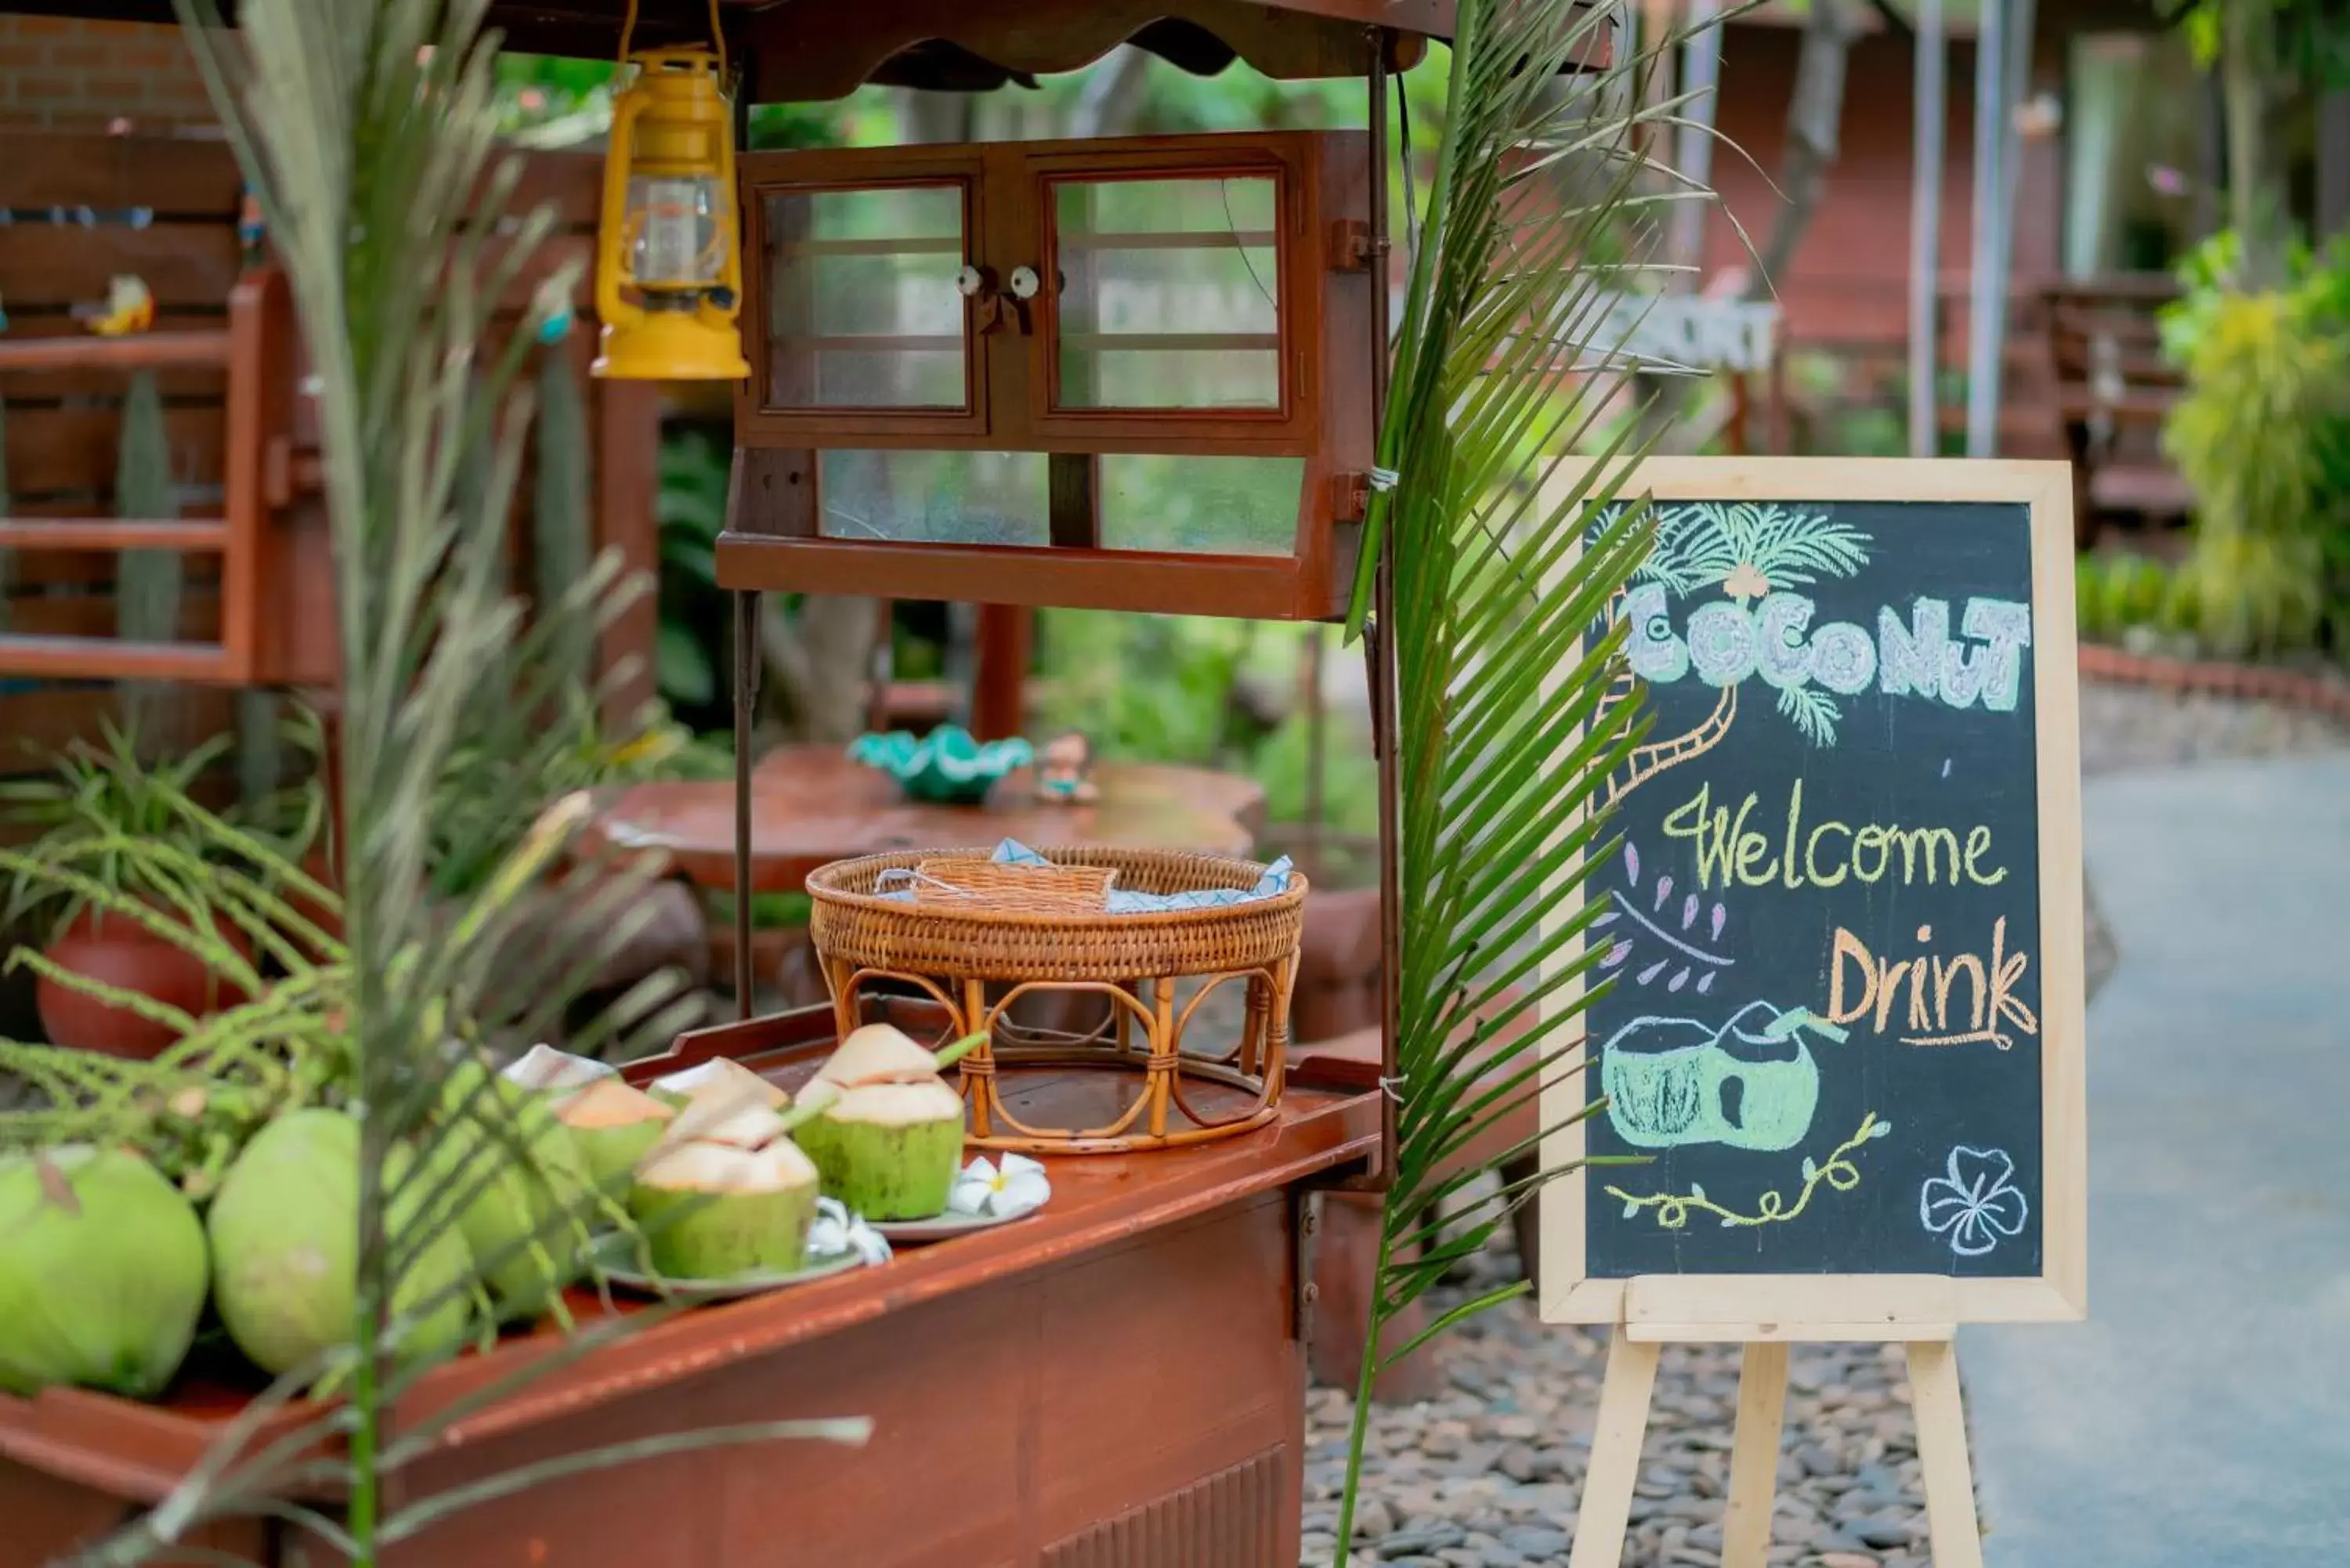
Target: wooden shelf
146	351
110	659
208	536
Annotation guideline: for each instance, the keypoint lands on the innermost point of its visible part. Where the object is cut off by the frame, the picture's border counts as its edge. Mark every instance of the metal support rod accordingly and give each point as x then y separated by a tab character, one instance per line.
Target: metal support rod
1926	230
1984	328
746	697
1378	646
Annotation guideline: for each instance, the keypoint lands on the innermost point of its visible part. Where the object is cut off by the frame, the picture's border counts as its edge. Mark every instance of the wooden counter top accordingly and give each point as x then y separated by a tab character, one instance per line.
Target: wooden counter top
137	1451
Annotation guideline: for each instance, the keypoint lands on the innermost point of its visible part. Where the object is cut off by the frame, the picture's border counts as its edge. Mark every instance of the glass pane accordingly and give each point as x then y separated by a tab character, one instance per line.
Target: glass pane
862	308
934	497
1168	293
1208	505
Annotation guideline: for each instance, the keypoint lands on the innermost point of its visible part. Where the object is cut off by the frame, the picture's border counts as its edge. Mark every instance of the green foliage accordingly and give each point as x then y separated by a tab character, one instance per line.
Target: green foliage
2312	36
1500	573
280	1044
2119	591
691	508
367	130
769	911
128	826
491	796
1170	688
2263	435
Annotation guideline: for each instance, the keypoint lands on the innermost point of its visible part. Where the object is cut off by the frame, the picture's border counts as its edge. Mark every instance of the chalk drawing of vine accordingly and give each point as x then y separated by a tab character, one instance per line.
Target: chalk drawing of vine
1838	1172
1748	549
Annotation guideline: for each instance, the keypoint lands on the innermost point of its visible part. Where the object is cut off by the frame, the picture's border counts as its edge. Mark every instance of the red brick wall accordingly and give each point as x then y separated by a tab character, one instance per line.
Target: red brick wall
61	74
1849	282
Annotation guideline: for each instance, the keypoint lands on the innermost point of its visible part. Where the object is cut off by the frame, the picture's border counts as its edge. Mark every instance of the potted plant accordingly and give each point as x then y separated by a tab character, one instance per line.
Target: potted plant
106	822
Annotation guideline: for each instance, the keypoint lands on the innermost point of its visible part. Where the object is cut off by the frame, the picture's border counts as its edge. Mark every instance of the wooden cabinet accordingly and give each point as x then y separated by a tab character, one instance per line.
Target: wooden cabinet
1021	372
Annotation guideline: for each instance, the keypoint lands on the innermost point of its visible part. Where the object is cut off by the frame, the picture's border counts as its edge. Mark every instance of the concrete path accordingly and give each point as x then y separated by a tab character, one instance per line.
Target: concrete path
2201	1417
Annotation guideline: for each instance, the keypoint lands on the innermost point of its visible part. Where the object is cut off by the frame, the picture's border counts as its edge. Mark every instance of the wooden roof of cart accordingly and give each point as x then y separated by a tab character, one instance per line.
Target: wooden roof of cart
808	50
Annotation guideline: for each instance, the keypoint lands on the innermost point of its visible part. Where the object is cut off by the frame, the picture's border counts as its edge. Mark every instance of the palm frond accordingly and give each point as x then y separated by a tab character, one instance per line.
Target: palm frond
1504	564
367	130
1813	713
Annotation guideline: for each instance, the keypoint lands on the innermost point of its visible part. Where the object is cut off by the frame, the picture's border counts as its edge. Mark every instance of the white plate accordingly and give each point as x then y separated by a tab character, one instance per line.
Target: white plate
939	1227
614	1259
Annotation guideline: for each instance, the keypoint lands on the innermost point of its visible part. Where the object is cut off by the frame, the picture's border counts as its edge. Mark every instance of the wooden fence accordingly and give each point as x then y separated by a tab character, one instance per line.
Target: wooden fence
257	608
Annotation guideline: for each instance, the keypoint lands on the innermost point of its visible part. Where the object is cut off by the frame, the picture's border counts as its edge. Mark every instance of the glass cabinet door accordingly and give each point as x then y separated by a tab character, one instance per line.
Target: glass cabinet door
862	306
1167	293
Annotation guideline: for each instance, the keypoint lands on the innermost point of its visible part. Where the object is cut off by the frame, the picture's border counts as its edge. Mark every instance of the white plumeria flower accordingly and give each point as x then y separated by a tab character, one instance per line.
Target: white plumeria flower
1015	1186
836	1231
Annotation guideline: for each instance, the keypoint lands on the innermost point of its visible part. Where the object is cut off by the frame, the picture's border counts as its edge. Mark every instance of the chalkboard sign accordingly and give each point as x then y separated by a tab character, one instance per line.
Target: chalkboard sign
1840	1030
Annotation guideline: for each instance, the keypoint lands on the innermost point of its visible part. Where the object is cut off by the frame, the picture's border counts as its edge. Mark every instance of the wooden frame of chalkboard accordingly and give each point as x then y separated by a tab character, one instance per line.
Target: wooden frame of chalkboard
1954	512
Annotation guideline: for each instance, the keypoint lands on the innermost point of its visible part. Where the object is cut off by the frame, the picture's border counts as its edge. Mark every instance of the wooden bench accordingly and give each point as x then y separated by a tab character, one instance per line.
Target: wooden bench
2113	392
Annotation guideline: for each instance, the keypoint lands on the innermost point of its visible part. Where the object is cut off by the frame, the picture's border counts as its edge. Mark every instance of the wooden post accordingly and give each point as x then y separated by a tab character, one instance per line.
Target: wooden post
1754	1456
1942	1454
1630	1383
1623	1421
1000	676
628	455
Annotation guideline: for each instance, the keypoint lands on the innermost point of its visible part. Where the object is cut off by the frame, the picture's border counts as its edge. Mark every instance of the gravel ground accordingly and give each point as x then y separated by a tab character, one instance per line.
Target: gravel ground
1488	1475
2124	727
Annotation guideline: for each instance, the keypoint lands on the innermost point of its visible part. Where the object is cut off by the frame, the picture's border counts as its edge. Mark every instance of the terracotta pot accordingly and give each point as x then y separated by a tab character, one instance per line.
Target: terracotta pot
122	953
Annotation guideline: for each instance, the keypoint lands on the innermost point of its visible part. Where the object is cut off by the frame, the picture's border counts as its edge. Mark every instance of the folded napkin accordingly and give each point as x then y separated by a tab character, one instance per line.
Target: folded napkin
1275	881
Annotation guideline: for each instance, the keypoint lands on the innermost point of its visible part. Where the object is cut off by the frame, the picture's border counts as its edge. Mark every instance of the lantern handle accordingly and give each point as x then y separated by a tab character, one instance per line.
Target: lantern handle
611	308
717	36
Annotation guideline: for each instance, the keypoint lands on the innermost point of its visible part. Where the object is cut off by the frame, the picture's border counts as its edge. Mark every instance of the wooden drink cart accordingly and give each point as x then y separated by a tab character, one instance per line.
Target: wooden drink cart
985	373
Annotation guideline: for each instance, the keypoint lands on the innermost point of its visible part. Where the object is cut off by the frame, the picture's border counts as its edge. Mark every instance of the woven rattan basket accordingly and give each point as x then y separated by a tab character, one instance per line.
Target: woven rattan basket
999	939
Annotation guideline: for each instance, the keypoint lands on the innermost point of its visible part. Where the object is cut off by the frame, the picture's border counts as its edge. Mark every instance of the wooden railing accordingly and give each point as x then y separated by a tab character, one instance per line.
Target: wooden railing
253	353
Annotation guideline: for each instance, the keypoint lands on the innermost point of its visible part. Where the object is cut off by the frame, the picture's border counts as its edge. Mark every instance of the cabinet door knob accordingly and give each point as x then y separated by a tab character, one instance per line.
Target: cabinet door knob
1026	283
970	282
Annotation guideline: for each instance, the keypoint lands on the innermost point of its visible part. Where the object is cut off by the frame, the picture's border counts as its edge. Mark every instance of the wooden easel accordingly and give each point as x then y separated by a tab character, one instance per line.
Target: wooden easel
1631	1378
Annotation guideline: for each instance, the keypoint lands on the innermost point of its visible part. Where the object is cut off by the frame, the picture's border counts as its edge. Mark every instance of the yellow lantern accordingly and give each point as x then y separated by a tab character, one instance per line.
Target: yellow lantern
668	231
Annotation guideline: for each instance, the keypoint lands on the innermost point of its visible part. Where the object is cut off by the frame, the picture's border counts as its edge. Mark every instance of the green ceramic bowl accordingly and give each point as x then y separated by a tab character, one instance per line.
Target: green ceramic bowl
946	767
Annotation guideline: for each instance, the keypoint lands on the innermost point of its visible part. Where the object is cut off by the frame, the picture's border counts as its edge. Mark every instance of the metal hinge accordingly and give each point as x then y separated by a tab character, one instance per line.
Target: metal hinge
1306	1231
1353	247
1350	496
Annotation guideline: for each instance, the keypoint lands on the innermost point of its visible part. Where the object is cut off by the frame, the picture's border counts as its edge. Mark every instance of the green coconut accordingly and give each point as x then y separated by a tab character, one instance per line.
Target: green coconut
285	1243
716	1212
102	1272
557	1071
615	1127
530	1195
889	1144
718	1081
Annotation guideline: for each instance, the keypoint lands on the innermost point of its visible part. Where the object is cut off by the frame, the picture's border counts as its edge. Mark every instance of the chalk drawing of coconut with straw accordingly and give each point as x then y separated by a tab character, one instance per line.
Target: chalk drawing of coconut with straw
1748	551
1748	1083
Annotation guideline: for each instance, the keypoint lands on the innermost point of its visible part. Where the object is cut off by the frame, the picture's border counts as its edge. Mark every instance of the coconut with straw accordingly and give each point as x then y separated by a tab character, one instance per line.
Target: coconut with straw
890	1143
726	1192
614	1124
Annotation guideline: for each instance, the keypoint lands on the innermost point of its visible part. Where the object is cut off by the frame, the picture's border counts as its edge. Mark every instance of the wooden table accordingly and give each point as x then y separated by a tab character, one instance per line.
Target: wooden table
811	806
1119	1378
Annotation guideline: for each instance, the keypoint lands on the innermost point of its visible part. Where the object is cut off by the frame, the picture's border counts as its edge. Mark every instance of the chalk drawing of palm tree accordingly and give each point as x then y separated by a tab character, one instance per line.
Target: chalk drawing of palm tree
1747	549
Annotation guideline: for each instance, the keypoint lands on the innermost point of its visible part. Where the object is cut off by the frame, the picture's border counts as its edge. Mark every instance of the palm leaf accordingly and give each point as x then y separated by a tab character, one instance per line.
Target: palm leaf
1503	564
367	130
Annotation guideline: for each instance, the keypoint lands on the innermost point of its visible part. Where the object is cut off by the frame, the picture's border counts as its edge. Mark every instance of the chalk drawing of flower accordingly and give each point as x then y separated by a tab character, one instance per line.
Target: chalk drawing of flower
1974	1202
